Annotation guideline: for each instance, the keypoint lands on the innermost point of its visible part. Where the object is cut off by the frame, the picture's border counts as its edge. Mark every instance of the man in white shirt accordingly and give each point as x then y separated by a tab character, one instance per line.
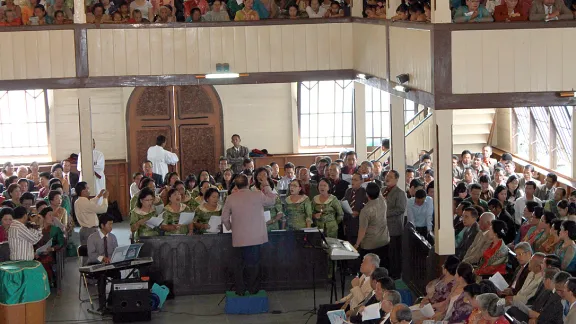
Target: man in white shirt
314	10
521	202
160	157
22	238
99	164
289	175
87	210
420	211
532	282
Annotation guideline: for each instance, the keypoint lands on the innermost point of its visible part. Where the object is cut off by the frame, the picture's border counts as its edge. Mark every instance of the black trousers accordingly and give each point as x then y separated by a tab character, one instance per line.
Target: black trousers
322	317
114	274
395	258
247	270
382	252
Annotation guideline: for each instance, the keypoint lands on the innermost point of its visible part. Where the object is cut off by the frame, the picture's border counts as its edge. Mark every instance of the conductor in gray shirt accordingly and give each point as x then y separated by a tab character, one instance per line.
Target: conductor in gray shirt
100	246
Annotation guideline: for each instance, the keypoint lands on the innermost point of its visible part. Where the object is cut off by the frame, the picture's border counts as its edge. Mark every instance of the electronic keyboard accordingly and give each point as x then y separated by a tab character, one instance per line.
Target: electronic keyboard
116	266
339	249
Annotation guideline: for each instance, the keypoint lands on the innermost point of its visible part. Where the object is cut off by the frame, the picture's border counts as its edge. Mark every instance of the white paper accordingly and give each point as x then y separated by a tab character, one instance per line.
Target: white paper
371	312
154	222
499	281
336	316
311	230
240	2
427	310
346	206
44	247
364	184
186	218
347	178
158	191
214	222
266	216
159	209
468	14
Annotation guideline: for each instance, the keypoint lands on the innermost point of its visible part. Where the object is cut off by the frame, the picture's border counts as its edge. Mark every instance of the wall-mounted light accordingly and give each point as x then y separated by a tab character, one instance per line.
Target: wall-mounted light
565	94
221	75
403	78
401	88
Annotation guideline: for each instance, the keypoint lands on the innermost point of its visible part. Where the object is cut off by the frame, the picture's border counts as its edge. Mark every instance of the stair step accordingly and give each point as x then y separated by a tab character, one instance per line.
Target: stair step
473	119
471	129
470	139
474	148
474	111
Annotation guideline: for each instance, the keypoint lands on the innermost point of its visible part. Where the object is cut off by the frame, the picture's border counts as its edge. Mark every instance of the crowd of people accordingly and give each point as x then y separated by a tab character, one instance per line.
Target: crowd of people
501	219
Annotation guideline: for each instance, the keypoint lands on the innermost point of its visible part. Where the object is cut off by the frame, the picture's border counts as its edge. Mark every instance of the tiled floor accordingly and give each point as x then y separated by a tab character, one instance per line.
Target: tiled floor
290	305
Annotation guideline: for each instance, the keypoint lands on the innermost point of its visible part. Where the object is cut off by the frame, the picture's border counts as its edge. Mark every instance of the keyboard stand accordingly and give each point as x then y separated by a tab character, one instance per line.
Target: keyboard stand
333	288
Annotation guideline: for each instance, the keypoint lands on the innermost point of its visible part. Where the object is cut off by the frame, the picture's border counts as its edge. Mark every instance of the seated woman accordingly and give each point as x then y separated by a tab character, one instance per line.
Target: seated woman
510	10
473	290
402	13
247	13
60	214
202	188
49	232
532	228
335	11
262	175
456	310
492	308
567	250
142	213
545	227
205	211
228	178
195	15
169	181
186	197
6	217
204	175
172	213
218	12
439	289
473	11
495	257
34	175
146	183
14	193
298	208
553	241
97	16
190	183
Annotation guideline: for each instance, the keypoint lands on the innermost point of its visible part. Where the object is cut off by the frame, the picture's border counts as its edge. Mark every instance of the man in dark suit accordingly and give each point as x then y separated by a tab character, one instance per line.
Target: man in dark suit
67	174
496	208
147	168
395	209
471	228
524	253
237	154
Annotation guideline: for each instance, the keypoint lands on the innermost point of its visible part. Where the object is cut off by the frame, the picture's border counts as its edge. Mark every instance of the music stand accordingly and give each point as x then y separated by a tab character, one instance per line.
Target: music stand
314	310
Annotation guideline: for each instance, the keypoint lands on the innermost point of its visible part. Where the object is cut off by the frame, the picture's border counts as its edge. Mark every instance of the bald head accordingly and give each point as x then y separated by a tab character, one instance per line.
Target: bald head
486	220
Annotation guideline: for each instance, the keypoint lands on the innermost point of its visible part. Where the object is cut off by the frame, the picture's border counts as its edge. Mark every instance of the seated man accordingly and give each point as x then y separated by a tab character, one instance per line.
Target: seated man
481	242
547	305
523	252
401	314
475	192
361	289
390	299
22	236
101	245
560	280
289	175
532	282
471	228
548	10
382	285
522	201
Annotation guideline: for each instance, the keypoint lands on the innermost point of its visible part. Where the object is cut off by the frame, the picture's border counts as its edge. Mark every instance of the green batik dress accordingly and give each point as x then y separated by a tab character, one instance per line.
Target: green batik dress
171	217
203	215
134	200
137	215
331	215
274	210
297	213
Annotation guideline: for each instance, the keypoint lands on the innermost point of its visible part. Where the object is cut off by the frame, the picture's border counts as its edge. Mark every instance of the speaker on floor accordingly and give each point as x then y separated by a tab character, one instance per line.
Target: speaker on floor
130	302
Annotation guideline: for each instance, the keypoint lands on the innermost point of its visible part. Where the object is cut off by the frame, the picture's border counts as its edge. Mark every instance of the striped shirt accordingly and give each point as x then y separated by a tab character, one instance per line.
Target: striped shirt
21	240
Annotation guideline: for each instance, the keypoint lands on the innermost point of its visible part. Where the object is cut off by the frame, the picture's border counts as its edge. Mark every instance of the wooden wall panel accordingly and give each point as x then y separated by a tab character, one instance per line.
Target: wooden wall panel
248	49
37	54
410	52
369	46
513	60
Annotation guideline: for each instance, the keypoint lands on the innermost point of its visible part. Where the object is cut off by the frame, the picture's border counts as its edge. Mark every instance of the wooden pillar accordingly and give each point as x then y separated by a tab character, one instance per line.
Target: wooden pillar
573	141
79	12
360	121
397	137
357	8
443	226
441	11
86	148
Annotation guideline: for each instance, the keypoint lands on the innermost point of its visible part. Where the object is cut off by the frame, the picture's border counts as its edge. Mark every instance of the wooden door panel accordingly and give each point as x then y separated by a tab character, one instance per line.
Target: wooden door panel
197	102
197	148
144	138
153	103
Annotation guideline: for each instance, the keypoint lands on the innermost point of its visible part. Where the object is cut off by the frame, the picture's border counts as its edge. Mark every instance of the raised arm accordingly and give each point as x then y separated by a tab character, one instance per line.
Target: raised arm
170	158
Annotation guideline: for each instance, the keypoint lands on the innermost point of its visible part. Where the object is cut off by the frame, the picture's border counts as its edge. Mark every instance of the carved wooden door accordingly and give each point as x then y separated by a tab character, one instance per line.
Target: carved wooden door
189	116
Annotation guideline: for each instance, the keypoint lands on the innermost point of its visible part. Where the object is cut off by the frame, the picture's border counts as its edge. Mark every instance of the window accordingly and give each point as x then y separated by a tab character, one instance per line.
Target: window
326	110
544	135
410	110
23	123
377	116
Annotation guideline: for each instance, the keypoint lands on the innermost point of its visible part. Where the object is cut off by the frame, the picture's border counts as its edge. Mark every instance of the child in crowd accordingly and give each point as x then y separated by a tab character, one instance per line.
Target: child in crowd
335	11
59	17
402	13
117	18
293	12
124	10
370	12
137	18
381	10
195	15
416	11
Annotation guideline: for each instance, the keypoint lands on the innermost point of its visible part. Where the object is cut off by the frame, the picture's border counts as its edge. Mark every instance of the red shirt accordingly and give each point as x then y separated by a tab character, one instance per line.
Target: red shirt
3	235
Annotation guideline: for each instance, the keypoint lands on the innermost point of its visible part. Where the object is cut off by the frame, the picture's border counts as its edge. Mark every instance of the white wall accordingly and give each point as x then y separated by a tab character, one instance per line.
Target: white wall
261	114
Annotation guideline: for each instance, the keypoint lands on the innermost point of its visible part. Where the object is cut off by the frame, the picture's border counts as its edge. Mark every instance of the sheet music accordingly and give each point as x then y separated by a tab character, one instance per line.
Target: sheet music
214	222
159	209
427	310
186	218
266	216
346	206
371	312
499	281
337	316
154	222
347	178
44	247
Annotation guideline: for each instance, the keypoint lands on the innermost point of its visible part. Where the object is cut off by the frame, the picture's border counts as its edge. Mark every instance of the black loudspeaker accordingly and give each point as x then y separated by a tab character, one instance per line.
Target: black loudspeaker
129	302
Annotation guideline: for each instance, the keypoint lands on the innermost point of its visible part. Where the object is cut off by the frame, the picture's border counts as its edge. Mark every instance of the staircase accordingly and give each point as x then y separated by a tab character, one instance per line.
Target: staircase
472	129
